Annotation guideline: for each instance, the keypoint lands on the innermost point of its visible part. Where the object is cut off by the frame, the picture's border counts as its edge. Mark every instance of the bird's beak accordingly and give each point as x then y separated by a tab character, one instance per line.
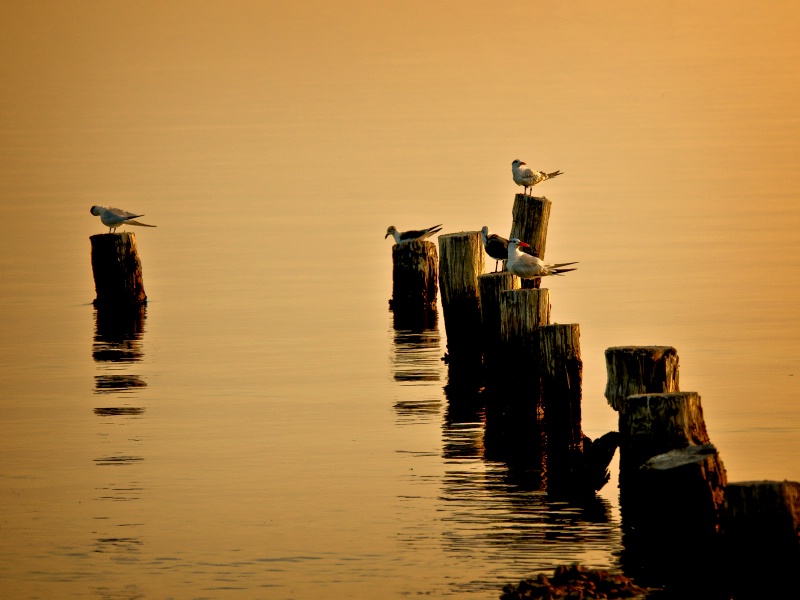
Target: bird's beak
387	235
524	245
522	163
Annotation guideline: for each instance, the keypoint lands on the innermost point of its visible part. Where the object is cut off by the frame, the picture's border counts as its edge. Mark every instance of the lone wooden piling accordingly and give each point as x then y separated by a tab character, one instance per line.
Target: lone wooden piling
461	260
414	276
117	270
490	286
640	370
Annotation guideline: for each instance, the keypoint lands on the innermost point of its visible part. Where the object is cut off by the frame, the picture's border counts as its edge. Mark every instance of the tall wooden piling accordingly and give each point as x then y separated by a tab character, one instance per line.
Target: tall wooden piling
414	276
490	286
640	370
461	260
117	270
561	372
529	218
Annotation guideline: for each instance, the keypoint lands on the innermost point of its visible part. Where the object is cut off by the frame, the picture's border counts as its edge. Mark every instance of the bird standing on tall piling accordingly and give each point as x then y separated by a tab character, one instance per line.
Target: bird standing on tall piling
407	236
527	266
495	246
528	177
116	217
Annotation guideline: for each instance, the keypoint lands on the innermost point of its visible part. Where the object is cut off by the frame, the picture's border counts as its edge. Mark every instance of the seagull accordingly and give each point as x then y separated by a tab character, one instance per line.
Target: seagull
407	236
528	266
116	217
528	177
496	246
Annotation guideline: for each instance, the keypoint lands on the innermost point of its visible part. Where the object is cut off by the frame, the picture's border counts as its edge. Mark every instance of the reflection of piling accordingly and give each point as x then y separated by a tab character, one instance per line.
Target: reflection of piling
490	286
461	260
529	218
414	274
640	370
117	270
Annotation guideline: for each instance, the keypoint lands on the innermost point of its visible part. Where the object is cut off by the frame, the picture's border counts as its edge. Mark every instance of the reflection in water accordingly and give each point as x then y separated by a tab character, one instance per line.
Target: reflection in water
104	384
417	365
495	486
118	347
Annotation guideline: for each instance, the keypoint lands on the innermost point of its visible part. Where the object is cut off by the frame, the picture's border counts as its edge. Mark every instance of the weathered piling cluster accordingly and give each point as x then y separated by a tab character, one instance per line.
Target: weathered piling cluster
498	331
677	506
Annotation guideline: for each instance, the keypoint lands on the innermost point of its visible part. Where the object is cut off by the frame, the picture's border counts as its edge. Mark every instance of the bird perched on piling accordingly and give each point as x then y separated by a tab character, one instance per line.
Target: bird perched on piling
495	246
527	266
407	236
116	217
528	177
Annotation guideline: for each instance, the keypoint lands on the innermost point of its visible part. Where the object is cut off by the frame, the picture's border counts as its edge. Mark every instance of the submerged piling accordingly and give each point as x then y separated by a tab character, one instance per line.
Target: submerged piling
117	270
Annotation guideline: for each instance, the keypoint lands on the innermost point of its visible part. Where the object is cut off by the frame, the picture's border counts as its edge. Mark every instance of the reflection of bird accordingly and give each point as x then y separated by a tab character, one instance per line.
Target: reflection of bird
116	217
407	236
528	266
495	246
528	177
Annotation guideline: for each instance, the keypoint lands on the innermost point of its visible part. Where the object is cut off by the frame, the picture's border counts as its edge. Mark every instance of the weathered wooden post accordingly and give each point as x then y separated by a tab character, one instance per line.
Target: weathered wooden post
640	370
461	260
117	270
671	519
761	529
561	371
651	424
490	285
529	218
521	312
414	276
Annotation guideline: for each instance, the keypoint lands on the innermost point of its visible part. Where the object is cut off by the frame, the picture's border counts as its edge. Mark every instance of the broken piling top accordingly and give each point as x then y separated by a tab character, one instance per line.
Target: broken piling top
640	370
117	270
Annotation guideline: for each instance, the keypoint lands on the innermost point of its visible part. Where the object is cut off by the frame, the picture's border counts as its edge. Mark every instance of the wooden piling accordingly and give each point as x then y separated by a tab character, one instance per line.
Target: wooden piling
117	270
414	276
561	372
529	218
652	424
763	515
671	517
461	260
521	312
640	370
490	286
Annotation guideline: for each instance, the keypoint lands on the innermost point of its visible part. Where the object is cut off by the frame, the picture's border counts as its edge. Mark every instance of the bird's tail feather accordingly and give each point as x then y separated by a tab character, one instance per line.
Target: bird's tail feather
562	271
139	224
554	174
564	265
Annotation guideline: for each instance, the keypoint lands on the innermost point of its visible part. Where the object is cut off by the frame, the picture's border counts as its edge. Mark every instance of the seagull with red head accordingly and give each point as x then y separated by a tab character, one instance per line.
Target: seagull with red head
528	177
527	266
116	217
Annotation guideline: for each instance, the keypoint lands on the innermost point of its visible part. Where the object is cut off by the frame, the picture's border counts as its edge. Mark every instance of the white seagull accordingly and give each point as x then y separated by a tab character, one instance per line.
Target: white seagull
528	266
407	236
116	217
495	246
528	177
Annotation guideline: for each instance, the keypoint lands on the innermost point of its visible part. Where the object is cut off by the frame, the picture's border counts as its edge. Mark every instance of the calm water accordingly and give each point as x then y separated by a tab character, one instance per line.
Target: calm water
262	430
